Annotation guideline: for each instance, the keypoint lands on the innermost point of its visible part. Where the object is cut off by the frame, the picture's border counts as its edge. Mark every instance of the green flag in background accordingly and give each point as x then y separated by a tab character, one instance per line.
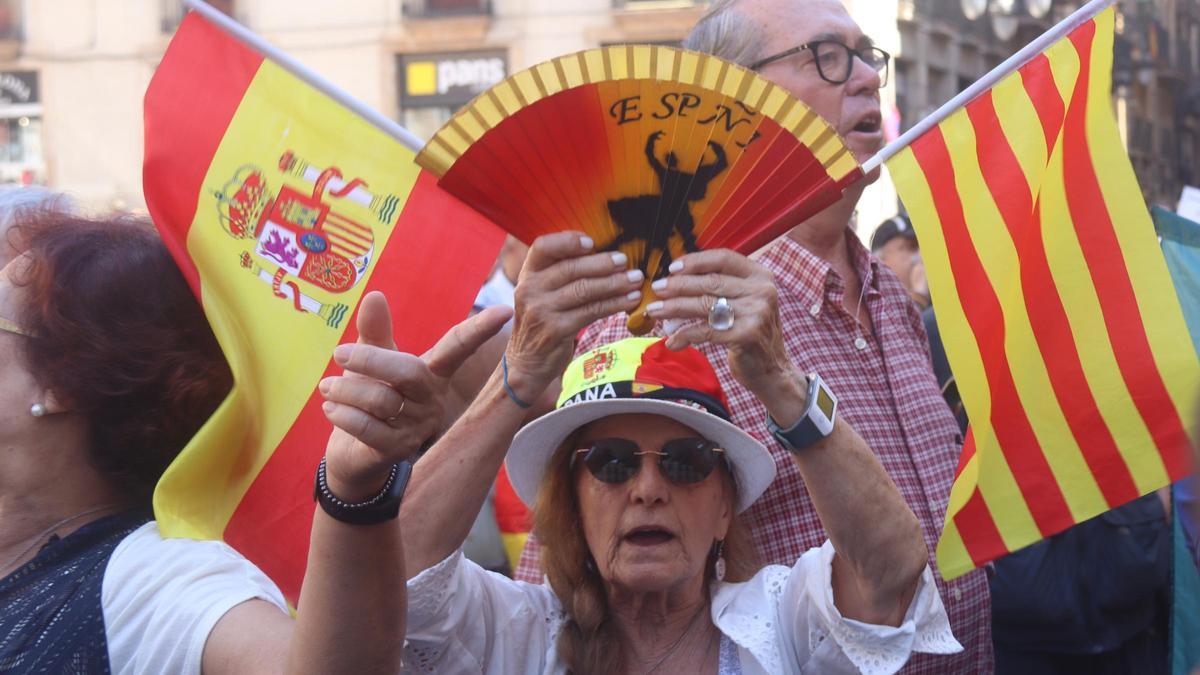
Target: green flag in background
1180	240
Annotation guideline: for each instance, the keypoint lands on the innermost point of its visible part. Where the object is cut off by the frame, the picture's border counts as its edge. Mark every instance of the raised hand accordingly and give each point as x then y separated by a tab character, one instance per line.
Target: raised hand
757	356
388	404
564	286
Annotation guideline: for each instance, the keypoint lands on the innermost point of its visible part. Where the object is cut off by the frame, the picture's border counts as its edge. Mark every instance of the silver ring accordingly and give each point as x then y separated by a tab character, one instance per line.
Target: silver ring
720	317
396	418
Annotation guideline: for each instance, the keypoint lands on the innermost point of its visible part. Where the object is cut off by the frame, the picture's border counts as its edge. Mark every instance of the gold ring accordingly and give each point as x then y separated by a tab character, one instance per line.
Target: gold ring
399	411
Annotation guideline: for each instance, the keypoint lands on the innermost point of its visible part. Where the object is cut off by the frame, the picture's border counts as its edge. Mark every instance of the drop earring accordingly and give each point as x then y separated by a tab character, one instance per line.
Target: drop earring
719	566
37	410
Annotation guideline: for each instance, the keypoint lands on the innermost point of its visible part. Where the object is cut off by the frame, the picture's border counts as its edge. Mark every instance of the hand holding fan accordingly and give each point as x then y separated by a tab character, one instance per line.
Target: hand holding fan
650	150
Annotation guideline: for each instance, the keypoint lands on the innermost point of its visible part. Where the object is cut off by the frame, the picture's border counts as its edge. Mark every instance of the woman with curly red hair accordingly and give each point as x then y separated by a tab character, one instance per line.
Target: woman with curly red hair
107	369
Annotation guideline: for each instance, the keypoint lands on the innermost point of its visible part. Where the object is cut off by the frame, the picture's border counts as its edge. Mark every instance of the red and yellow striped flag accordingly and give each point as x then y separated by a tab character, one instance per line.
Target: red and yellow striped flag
283	208
1057	310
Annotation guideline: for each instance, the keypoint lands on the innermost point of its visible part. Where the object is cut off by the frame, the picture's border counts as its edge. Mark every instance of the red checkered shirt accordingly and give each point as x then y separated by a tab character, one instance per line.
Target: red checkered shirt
886	390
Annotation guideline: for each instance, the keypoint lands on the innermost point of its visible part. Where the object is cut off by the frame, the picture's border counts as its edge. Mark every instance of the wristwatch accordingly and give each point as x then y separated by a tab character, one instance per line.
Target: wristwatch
381	508
814	424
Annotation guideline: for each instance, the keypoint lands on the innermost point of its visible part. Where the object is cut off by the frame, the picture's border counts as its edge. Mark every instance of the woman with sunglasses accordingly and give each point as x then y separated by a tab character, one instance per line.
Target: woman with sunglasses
636	481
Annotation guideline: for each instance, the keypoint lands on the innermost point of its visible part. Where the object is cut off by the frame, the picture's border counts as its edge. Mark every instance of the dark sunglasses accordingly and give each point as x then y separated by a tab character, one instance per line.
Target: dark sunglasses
835	61
681	460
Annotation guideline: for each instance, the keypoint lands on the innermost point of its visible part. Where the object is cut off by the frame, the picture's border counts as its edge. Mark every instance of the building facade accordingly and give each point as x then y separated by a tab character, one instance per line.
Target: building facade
945	45
73	72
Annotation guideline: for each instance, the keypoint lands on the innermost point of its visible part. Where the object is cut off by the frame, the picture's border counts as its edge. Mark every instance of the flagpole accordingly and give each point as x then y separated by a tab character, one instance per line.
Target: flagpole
1081	16
308	75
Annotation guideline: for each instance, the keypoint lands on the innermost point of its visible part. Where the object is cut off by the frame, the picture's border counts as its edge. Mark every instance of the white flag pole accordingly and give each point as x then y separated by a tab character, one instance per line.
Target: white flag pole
308	75
1081	16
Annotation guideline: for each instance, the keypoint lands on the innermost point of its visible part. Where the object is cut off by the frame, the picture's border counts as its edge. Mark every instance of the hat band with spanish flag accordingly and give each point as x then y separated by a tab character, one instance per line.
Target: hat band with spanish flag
640	376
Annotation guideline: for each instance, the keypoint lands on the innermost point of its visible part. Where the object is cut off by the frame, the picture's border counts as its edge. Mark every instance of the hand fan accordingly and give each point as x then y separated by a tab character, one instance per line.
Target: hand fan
650	150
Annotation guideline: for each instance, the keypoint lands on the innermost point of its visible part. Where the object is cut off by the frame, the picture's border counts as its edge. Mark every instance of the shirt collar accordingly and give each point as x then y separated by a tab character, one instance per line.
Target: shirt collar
811	278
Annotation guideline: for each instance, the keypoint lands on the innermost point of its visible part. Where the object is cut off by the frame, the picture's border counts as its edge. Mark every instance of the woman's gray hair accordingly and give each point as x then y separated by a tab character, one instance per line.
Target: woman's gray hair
727	33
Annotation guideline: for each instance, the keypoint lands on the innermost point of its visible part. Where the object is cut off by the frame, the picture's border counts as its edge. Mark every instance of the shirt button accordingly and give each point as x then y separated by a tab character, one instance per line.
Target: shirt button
814	310
957	594
860	343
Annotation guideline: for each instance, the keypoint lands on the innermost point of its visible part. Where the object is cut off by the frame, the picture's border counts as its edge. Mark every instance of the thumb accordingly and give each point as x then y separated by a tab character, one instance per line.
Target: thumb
375	322
461	341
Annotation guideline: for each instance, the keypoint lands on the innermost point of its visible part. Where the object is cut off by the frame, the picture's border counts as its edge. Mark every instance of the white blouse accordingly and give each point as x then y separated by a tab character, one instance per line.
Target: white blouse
463	619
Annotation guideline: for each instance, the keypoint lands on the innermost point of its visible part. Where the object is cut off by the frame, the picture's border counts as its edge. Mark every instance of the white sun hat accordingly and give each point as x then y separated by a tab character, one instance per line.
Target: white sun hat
640	375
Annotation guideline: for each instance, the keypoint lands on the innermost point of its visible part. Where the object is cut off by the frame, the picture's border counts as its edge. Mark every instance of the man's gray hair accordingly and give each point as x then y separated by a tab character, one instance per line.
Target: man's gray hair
727	33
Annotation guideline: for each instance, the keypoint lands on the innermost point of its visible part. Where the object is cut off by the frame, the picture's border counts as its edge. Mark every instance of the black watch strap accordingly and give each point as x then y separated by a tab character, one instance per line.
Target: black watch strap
381	508
798	437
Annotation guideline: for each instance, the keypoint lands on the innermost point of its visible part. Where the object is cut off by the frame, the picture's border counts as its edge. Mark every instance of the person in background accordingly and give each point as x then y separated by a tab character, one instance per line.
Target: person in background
499	288
107	369
1094	598
844	314
502	526
941	368
895	243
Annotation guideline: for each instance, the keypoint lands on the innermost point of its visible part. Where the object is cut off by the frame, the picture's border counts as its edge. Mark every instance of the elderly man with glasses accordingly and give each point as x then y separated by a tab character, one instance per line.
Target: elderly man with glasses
845	315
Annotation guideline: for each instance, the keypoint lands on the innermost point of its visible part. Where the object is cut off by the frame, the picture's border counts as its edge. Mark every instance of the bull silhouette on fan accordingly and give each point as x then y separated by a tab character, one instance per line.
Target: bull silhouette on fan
654	219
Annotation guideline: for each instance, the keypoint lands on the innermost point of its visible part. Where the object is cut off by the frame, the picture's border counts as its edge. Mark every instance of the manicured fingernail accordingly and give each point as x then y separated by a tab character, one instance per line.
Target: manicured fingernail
328	406
586	243
635	276
342	354
633	295
675	266
659	284
325	385
654	307
620	259
670	326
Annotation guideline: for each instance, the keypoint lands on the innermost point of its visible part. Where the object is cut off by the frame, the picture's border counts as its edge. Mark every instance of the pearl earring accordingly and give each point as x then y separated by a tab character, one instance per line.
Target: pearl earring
37	410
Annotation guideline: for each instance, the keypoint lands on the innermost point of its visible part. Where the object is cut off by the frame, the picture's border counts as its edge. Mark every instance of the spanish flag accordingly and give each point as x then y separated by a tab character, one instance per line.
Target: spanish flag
1056	307
282	208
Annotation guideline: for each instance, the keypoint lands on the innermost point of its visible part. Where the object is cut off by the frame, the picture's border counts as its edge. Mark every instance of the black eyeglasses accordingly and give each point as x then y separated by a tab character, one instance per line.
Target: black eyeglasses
834	60
681	460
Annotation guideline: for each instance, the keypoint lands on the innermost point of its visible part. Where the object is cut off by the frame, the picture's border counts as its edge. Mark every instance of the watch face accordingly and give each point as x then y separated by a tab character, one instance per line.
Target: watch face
824	402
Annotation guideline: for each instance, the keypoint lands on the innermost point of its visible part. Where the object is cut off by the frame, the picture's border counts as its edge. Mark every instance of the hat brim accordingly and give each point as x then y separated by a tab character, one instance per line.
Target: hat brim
535	444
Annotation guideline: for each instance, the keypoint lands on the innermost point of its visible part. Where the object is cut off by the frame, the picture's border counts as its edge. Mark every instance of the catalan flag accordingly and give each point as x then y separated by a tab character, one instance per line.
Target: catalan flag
1057	310
283	208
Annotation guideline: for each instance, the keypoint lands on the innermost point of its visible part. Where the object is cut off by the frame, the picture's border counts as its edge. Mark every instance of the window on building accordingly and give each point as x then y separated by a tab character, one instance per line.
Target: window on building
173	12
20	140
21	158
435	8
654	4
11	24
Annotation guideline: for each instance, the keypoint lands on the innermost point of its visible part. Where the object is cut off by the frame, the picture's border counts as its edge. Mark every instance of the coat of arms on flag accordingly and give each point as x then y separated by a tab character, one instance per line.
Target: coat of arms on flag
597	363
305	236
